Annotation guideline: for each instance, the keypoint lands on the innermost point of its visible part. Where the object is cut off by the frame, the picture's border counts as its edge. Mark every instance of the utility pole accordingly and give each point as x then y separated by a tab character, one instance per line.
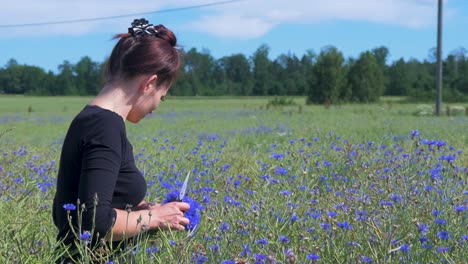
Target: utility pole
439	59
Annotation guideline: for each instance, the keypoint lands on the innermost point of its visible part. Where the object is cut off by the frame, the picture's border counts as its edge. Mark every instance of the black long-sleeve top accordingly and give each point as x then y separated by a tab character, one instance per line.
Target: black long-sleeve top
96	159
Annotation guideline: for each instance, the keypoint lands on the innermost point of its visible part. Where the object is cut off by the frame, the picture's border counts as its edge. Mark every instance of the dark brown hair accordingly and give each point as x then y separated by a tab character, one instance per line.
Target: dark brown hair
148	54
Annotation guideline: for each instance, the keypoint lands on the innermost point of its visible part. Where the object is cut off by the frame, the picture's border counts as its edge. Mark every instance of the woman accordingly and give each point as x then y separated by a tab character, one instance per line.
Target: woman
97	168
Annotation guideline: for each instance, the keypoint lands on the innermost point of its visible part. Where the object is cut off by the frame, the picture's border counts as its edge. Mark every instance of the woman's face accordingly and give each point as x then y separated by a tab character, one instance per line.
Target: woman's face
148	101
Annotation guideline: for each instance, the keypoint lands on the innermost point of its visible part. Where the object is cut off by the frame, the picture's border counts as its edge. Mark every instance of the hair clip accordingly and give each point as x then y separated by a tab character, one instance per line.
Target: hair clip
141	27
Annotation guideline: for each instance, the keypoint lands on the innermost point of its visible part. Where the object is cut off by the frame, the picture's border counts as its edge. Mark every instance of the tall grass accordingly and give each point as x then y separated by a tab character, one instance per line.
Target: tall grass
346	184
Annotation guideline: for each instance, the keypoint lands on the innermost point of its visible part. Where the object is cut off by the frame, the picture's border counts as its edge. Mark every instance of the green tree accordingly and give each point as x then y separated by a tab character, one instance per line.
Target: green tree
238	75
65	81
400	79
87	76
261	71
366	79
329	77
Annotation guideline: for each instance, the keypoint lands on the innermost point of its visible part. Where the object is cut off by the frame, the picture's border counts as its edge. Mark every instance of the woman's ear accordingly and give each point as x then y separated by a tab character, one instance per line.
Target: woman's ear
149	83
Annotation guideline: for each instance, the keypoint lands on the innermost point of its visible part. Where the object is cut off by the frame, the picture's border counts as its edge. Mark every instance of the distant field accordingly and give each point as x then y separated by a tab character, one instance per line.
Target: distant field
344	184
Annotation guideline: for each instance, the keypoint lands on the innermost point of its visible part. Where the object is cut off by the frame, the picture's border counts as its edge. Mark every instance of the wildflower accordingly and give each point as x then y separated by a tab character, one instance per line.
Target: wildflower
423	228
214	247
440	221
312	256
332	214
460	208
405	248
443	249
444	235
366	259
224	226
259	258
225	167
69	207
228	262
386	203
284	239
345	225
263	241
85	236
280	170
277	156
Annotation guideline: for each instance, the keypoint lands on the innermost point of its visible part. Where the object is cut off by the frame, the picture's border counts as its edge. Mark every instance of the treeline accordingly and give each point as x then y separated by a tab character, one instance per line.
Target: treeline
326	77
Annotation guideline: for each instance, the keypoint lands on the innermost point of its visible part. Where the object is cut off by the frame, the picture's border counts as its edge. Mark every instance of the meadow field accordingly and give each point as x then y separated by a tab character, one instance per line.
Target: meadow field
287	184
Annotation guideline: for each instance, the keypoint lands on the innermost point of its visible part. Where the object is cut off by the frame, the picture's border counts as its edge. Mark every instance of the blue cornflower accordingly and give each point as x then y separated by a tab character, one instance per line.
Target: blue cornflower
259	258
85	236
325	226
247	251
284	239
312	256
280	170
228	262
405	248
263	241
444	235
423	228
440	221
285	193
386	203
225	167
224	226
193	214
345	225
332	214
214	247
69	207
460	208
278	156
366	259
443	249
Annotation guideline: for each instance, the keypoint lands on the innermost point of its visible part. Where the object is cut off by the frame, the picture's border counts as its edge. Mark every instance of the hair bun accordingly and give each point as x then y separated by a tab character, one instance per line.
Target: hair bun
166	34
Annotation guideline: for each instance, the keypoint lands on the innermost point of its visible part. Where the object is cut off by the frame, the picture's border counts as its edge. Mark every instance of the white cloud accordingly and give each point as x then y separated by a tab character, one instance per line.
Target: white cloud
243	19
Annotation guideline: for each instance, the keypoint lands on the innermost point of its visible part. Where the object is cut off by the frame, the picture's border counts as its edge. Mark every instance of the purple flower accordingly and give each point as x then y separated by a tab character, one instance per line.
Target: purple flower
423	228
444	235
280	170
312	256
443	249
366	259
405	248
263	241
225	167
284	239
85	236
460	208
345	225
224	226
332	214
69	207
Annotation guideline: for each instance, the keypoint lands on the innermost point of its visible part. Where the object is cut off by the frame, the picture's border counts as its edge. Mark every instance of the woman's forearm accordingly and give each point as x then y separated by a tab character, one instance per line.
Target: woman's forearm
128	224
167	216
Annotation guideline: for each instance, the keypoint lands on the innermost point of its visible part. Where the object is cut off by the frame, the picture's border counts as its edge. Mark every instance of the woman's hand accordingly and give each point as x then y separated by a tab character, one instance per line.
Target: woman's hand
169	216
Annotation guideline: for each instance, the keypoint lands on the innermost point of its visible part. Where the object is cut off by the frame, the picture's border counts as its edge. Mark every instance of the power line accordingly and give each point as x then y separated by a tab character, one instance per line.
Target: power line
118	16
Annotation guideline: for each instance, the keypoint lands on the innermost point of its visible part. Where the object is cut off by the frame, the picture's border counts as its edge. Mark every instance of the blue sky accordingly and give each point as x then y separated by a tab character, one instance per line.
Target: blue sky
408	28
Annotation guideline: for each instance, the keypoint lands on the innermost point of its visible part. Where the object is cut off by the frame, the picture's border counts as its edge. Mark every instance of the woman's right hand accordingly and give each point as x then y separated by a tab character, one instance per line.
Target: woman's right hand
170	216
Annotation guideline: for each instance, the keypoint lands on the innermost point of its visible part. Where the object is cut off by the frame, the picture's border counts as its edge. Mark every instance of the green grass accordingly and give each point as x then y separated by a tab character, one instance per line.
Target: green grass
345	159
